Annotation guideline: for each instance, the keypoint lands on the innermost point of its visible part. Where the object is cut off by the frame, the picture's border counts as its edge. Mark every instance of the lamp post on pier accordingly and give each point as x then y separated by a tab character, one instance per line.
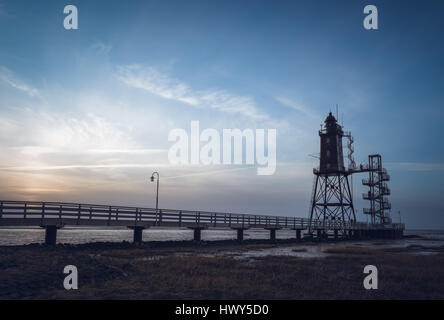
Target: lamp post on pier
157	192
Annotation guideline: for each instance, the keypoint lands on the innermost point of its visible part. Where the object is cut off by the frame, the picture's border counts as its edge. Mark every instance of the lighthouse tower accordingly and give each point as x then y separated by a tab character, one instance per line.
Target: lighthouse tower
331	201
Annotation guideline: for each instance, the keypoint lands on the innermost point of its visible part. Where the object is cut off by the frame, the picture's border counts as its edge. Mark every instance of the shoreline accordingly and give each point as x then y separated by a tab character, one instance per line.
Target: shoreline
203	243
80	235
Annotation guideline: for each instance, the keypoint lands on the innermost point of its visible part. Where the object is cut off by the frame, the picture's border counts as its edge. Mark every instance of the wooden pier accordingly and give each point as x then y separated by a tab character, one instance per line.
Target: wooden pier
55	215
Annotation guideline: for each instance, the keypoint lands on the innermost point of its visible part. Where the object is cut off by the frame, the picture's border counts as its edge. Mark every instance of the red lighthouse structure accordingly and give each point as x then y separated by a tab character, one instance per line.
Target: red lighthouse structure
332	201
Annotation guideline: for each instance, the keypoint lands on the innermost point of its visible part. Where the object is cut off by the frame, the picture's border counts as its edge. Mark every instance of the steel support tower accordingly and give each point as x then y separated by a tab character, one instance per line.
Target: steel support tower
378	191
332	201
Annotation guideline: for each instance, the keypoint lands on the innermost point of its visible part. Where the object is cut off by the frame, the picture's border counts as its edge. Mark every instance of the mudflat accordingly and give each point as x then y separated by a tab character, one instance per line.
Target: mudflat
184	270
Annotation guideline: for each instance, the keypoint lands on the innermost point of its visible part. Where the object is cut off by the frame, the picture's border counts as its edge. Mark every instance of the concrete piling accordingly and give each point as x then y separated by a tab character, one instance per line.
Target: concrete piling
137	238
197	233
51	235
273	234
298	234
240	233
137	233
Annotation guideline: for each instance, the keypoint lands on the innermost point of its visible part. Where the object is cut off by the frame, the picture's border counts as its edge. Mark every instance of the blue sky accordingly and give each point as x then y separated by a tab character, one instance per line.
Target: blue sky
85	114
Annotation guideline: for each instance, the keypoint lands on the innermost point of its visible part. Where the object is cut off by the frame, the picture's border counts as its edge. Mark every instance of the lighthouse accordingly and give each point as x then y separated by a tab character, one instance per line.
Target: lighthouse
332	160
331	202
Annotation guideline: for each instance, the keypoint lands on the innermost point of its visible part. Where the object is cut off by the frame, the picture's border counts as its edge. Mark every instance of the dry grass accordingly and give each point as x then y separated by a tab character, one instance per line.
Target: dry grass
35	272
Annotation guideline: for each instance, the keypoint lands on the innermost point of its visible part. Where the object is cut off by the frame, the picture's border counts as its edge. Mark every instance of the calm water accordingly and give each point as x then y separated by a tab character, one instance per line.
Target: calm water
20	236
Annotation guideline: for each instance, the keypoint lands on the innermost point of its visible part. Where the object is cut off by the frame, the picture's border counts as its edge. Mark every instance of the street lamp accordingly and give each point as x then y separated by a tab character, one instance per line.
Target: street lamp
399	212
157	193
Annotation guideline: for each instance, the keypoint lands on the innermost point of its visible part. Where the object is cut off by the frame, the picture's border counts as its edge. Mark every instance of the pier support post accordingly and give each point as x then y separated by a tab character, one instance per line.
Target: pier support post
137	238
240	233
137	233
51	235
298	234
336	234
197	233
272	233
319	234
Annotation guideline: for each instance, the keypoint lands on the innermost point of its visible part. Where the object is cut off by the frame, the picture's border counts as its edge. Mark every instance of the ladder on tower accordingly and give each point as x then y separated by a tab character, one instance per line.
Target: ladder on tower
378	191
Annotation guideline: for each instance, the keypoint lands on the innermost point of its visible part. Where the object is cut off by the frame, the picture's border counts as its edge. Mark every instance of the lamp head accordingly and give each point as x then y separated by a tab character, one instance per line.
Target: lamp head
152	178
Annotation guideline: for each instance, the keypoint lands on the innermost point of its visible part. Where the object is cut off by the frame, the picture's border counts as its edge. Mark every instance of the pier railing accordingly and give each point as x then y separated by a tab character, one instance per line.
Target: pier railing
29	212
16	213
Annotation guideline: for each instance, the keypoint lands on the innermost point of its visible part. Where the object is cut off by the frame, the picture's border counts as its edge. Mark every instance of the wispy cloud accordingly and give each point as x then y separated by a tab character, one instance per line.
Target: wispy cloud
63	141
206	173
8	77
85	166
151	80
297	106
41	150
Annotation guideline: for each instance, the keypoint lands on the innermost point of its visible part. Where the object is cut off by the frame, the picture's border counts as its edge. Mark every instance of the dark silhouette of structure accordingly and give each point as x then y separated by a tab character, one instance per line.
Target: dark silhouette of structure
378	191
332	197
332	200
56	215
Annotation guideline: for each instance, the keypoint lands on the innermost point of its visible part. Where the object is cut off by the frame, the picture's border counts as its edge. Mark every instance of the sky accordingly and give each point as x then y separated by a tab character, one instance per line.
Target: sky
85	114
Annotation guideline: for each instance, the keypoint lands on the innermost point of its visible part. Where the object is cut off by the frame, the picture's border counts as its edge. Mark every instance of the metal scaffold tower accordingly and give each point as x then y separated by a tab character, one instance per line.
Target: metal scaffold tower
378	191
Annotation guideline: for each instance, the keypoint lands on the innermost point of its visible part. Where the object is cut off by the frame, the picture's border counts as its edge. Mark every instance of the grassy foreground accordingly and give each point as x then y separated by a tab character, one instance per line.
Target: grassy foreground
123	271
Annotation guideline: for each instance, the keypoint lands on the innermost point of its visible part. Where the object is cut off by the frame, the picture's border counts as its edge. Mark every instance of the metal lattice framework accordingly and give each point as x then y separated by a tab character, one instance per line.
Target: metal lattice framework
378	190
332	203
332	199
